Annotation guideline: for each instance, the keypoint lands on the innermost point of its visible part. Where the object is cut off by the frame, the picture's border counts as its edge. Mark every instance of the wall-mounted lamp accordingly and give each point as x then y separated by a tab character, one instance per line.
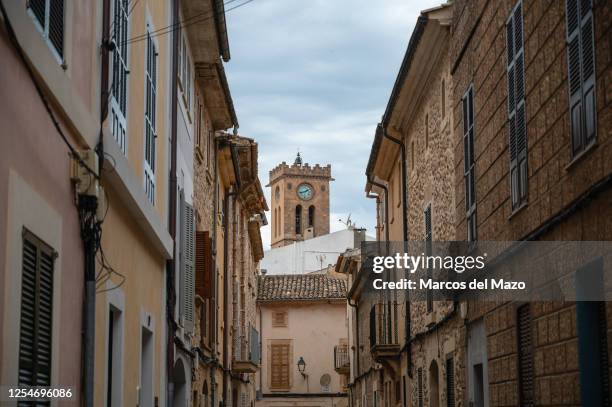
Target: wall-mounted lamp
301	364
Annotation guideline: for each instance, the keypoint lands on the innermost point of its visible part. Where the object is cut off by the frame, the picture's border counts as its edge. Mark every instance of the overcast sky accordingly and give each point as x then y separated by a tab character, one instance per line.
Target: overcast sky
315	75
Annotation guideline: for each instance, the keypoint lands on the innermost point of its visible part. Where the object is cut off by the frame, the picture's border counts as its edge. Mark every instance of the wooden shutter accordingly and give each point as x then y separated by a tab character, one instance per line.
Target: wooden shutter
36	321
39	9
187	263
517	128
56	25
420	387
50	15
581	72
279	319
203	264
279	366
525	356
469	163
450	382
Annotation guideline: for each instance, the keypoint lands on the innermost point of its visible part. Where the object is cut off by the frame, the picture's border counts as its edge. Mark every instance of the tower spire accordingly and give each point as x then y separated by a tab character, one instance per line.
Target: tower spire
298	159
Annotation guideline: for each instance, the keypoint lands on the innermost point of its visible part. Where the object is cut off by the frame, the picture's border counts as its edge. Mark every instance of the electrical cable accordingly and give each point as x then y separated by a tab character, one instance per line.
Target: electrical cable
182	24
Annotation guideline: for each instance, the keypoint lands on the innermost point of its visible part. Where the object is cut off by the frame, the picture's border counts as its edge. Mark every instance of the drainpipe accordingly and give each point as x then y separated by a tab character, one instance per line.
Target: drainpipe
384	188
405	233
215	281
226	368
171	263
89	225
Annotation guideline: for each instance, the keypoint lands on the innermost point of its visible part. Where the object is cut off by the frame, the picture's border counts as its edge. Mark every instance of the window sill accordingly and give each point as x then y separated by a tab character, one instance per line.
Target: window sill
578	157
518	209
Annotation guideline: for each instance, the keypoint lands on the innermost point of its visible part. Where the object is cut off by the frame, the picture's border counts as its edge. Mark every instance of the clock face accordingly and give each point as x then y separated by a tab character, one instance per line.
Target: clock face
304	191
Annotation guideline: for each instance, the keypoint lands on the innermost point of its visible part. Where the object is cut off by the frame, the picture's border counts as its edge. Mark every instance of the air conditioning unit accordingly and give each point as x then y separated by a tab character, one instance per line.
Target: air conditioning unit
86	182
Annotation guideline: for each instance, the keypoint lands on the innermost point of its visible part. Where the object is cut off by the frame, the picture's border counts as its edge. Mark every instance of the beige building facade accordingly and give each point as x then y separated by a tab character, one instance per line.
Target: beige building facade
303	327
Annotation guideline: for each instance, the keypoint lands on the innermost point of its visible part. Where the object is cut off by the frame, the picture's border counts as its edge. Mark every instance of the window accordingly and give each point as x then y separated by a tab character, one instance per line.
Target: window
311	215
428	243
420	387
469	163
525	356
450	382
36	321
187	263
49	14
298	220
279	319
581	73
119	84
203	264
150	116
516	107
280	360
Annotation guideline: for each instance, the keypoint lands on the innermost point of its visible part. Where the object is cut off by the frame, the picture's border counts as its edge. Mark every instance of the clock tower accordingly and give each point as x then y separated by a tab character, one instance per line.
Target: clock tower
300	202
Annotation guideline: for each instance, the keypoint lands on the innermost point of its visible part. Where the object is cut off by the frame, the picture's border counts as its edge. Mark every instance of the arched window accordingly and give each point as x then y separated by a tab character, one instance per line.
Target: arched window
311	215
434	395
298	220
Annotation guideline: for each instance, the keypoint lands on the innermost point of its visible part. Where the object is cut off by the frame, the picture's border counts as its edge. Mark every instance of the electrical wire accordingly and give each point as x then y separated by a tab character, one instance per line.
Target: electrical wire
181	24
175	26
43	98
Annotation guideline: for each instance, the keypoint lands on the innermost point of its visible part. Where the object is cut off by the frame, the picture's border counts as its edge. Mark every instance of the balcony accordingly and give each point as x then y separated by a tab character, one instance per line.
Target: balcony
341	359
384	343
248	359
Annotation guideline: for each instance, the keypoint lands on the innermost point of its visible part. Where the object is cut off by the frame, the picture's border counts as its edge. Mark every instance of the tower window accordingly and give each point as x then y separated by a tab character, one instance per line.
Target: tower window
298	220
311	215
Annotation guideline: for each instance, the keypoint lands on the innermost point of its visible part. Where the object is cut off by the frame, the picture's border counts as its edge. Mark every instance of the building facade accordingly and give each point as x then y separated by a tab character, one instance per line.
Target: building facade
302	323
506	140
530	97
132	236
300	202
50	86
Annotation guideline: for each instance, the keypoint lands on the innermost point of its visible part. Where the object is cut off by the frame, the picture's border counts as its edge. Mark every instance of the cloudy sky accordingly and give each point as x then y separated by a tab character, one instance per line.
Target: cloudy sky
315	75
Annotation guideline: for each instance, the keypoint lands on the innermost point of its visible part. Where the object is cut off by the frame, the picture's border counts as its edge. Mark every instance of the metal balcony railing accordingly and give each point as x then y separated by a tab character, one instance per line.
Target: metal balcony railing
341	358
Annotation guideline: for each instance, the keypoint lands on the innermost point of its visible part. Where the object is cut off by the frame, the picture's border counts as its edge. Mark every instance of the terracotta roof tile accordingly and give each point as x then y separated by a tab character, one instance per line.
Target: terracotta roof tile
300	287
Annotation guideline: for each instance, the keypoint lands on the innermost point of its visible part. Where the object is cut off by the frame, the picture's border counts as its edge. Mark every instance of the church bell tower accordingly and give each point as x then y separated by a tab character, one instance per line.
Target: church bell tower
300	202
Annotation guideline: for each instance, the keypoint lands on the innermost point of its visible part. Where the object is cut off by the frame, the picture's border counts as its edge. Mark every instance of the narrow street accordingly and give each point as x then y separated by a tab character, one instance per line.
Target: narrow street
266	203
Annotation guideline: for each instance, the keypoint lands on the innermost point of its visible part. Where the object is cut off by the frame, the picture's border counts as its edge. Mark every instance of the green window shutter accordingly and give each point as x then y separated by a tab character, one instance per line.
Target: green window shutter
36	320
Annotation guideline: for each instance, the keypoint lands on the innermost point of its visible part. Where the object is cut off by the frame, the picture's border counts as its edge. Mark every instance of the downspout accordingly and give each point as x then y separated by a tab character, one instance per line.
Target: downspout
171	263
356	306
215	282
386	191
88	234
405	233
226	368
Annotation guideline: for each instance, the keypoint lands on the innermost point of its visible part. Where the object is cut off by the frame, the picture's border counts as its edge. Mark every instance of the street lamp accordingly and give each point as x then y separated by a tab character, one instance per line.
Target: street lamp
301	365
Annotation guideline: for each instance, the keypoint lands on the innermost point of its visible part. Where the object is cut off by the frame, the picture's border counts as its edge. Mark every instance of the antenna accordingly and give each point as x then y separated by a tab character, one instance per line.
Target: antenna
348	222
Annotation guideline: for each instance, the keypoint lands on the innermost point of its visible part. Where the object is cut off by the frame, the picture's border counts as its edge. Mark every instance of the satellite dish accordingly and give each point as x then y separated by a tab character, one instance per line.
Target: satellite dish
325	380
